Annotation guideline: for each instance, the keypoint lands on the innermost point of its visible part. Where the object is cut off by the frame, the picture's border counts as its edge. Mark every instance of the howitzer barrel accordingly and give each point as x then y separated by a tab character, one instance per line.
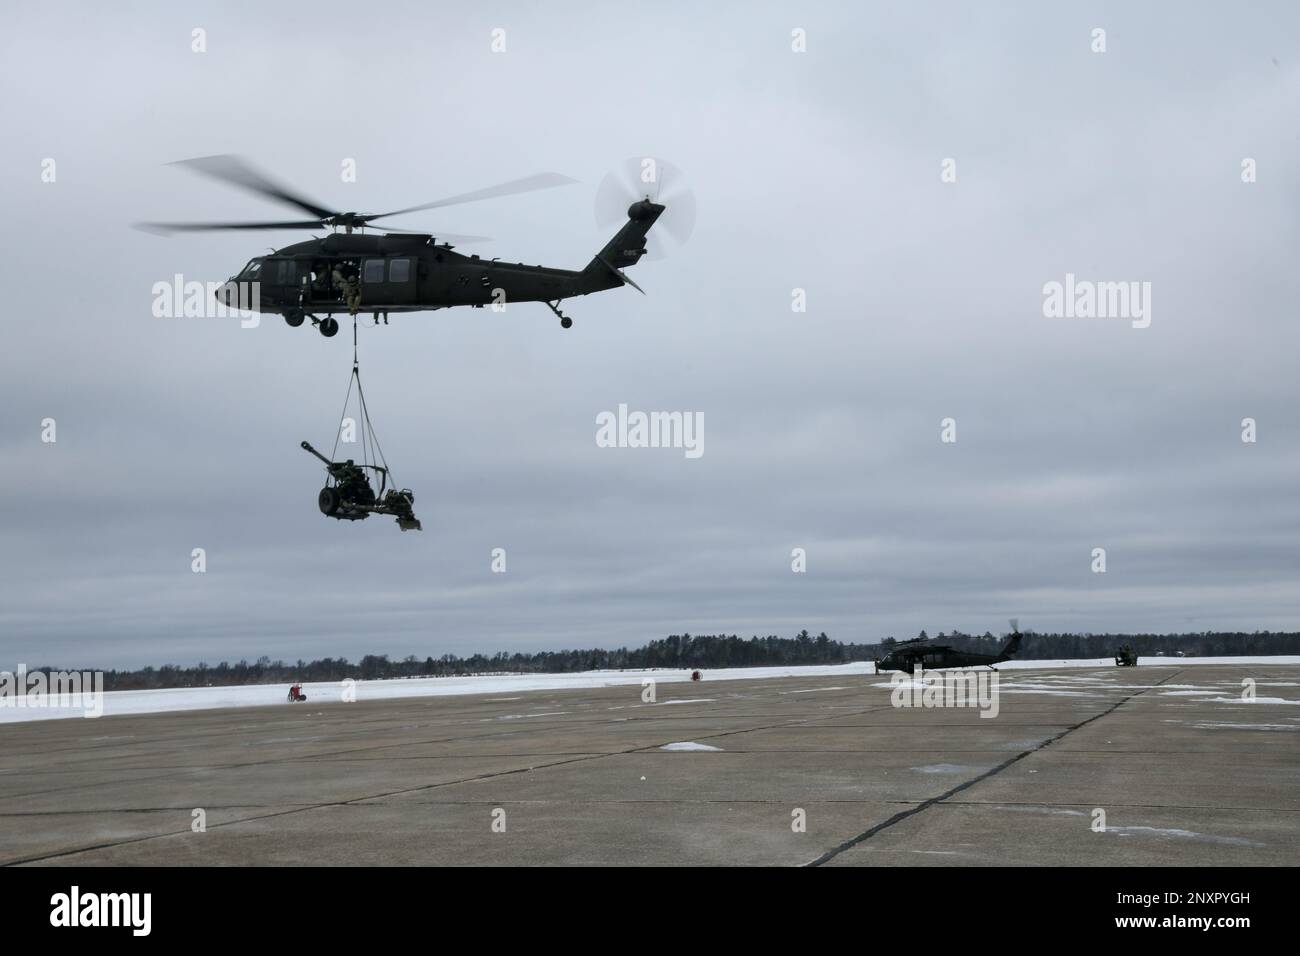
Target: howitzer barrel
306	446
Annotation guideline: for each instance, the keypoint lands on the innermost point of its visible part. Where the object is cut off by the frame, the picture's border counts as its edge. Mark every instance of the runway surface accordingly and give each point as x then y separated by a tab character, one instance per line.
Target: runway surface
1184	770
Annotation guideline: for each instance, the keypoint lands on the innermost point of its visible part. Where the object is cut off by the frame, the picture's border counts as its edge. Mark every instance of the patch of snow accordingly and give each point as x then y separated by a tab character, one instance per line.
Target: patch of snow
944	768
1181	834
1257	700
329	693
812	690
1056	811
693	700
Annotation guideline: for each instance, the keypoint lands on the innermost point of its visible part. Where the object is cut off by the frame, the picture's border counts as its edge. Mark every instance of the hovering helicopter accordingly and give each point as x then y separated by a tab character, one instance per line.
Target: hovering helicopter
400	271
907	655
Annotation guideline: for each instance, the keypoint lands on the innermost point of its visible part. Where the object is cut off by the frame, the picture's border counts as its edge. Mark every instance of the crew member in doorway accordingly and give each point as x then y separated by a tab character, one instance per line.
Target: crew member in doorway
348	287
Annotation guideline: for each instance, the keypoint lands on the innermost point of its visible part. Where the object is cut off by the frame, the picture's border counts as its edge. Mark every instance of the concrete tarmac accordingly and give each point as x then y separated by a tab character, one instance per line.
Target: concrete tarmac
1185	772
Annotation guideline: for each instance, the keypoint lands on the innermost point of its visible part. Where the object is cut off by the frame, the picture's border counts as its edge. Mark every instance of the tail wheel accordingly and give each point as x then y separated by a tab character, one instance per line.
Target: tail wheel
566	323
329	501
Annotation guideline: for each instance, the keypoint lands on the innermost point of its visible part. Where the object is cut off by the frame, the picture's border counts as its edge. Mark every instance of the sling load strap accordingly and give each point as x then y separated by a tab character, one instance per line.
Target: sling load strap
372	454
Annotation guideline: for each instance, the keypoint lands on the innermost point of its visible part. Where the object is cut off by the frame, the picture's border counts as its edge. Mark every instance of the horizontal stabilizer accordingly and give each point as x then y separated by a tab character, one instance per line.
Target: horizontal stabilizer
621	274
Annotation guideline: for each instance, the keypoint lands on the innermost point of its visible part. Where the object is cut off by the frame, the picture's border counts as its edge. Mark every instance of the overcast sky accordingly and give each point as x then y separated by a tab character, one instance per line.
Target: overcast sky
817	170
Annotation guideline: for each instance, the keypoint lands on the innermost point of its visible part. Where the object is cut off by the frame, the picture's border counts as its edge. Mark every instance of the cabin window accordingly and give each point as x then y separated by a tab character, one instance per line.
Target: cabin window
399	270
285	274
374	270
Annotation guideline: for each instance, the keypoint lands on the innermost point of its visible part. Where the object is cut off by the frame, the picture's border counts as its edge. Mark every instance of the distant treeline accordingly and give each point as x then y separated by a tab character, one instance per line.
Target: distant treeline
703	651
1038	647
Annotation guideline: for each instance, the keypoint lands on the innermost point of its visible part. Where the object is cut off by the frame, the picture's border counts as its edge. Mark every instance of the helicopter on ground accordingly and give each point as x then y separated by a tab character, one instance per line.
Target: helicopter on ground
401	271
908	655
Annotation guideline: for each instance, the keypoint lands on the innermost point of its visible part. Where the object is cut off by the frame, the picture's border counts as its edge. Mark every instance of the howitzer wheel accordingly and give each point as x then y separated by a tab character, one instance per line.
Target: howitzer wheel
329	501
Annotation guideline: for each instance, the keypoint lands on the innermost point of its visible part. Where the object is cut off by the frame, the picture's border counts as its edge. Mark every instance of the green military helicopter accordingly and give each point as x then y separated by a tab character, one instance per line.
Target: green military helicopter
921	652
349	271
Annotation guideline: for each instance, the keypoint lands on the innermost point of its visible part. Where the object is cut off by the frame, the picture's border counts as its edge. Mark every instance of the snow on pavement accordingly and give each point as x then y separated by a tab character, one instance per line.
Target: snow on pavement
268	695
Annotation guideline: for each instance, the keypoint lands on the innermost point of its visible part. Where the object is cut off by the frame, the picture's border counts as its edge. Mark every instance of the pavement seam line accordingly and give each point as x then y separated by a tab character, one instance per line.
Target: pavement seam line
353	800
925	805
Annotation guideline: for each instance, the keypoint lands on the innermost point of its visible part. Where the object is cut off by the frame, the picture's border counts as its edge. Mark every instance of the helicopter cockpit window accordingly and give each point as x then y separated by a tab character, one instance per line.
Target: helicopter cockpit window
374	270
252	269
399	270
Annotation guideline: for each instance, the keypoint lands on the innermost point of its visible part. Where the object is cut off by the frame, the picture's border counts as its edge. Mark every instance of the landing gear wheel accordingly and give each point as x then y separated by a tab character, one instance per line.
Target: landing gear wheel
294	318
329	500
329	327
565	321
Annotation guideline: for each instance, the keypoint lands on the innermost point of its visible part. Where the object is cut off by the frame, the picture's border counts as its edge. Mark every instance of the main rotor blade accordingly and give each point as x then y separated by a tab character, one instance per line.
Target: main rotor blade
166	228
459	239
525	185
444	236
233	170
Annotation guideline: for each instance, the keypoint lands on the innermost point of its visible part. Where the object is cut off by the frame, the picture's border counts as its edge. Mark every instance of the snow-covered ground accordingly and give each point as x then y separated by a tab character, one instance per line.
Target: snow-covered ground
267	695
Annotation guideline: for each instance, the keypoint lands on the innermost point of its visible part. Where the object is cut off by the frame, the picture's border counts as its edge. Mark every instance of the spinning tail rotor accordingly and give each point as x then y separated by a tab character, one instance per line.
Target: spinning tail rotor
657	180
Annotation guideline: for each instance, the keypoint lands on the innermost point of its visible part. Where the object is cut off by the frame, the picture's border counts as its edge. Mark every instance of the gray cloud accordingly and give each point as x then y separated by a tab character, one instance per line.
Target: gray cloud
818	171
